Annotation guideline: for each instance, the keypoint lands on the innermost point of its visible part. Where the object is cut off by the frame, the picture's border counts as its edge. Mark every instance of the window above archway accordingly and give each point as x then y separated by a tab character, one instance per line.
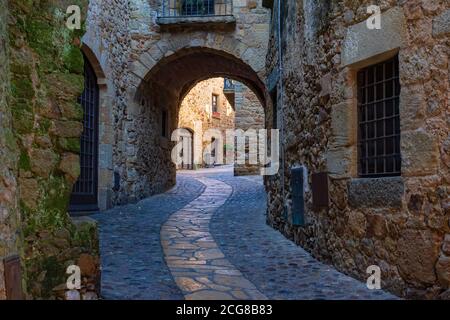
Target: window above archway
192	13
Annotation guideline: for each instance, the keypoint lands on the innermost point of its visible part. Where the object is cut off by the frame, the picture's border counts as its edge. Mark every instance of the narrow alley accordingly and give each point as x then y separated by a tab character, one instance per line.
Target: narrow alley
207	239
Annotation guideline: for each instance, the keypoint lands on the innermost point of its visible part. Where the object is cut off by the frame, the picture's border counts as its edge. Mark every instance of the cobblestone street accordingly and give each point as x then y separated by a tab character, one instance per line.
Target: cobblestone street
207	239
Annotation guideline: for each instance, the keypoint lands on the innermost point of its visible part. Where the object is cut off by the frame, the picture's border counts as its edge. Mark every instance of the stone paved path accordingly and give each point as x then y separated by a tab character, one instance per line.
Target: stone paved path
199	267
133	265
207	239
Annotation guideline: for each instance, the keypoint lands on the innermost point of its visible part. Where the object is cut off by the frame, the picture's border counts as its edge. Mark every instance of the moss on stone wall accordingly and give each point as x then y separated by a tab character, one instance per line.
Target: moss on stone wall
46	79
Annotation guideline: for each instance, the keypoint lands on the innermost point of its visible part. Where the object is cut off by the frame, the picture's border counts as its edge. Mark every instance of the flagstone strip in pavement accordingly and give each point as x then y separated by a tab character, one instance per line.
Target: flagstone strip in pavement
198	266
133	265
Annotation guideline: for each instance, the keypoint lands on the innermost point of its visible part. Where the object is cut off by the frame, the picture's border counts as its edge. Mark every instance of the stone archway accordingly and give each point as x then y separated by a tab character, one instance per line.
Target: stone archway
154	113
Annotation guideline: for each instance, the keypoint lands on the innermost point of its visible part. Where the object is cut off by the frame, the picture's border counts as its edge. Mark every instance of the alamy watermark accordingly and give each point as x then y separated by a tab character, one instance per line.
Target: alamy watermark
216	147
73	21
74	280
374	21
374	280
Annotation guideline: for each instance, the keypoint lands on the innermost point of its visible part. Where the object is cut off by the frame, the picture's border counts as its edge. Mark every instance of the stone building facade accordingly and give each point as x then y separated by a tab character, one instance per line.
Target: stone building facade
318	59
206	107
149	64
237	108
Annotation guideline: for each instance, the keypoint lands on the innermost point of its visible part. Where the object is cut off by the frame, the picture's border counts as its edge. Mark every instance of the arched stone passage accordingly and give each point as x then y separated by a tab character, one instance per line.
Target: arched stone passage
185	68
155	112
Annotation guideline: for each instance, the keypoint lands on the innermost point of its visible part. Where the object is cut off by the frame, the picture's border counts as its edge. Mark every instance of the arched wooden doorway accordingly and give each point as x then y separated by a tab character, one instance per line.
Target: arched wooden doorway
187	137
84	194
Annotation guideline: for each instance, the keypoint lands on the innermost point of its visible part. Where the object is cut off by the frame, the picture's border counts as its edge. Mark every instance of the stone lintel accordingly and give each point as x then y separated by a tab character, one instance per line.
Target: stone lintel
384	192
362	45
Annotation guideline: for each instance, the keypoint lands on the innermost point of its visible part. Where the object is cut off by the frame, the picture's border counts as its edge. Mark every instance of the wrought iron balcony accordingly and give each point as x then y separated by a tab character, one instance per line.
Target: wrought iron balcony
229	86
195	8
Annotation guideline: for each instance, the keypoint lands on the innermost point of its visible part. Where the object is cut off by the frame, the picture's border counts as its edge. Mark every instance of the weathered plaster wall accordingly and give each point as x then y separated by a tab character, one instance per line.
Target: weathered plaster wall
406	231
46	73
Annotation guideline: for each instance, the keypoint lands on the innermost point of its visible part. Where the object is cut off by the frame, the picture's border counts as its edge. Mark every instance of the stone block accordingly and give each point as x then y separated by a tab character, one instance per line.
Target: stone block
105	152
43	161
362	43
29	192
67	129
376	193
70	165
420	153
341	162
443	271
418	251
325	84
446	245
412	107
441	24
376	226
343	125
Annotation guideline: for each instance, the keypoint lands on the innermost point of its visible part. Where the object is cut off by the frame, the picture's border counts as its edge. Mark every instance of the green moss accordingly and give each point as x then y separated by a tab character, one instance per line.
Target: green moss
73	85
20	68
51	213
22	88
44	125
24	161
55	274
70	144
73	60
86	237
71	110
40	39
23	121
10	139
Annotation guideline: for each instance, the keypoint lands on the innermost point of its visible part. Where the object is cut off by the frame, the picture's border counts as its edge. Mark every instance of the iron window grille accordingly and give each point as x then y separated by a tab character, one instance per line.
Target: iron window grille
196	8
379	120
84	192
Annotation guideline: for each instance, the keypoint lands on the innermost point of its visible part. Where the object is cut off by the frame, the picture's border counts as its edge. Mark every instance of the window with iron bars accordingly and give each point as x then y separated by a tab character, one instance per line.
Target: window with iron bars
379	120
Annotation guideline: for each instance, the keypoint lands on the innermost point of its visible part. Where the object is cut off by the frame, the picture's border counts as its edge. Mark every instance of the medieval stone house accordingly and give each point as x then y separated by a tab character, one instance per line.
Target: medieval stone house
364	119
218	105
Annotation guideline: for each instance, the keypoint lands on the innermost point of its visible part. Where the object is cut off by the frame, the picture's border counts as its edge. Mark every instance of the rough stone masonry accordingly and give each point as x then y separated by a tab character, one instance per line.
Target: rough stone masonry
400	224
40	130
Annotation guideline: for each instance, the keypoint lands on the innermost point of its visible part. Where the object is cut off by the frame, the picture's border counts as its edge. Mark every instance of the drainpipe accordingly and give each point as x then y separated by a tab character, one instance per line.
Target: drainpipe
280	86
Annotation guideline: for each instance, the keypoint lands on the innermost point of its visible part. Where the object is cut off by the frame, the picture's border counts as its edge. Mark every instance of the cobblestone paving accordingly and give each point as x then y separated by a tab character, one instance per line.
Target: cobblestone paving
211	231
276	266
133	265
200	269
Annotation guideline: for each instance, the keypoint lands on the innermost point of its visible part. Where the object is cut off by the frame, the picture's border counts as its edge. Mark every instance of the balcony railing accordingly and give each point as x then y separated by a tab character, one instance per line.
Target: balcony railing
195	8
228	86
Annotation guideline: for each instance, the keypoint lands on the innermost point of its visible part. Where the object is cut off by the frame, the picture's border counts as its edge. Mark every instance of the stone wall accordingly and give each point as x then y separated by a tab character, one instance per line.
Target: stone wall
108	41
250	114
9	213
400	224
240	109
46	77
138	54
197	107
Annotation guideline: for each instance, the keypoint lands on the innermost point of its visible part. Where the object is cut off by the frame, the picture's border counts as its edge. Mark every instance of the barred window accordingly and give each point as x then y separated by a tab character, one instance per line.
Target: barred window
379	120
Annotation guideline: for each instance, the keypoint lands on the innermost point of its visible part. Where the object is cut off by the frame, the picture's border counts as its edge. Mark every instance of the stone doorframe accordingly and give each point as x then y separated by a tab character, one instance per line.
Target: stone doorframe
105	148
